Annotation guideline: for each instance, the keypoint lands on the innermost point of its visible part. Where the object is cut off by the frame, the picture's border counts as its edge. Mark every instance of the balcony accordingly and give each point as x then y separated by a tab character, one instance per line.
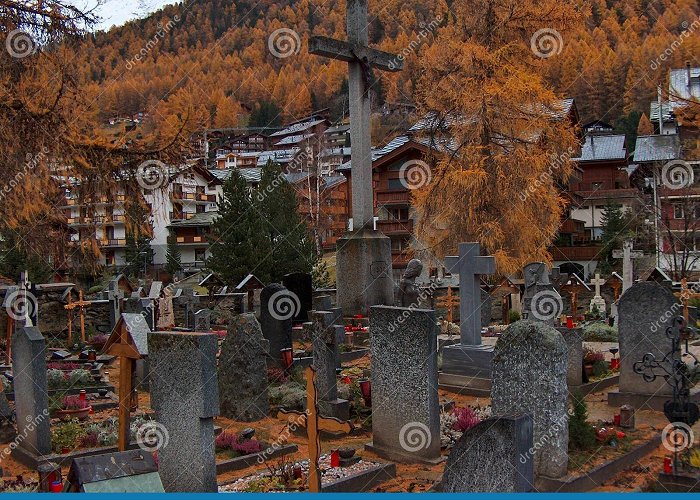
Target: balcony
175	216
198	197
111	218
401	258
390	227
580	253
572	226
393	197
112	242
76	221
191	239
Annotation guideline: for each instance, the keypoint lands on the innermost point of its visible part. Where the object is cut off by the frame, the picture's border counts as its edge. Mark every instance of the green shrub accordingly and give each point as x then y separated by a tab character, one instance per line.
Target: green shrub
290	396
599	332
55	378
513	316
67	435
581	433
80	377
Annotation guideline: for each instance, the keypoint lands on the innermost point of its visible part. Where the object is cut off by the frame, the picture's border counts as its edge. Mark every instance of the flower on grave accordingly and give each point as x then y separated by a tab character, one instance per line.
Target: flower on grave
465	418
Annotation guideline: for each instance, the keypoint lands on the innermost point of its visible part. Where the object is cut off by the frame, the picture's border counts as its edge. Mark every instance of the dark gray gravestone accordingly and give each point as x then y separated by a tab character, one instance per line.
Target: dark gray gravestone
185	396
324	303
275	321
326	358
202	320
243	383
115	295
31	390
486	307
142	307
501	448
574	344
645	311
529	376
405	406
300	284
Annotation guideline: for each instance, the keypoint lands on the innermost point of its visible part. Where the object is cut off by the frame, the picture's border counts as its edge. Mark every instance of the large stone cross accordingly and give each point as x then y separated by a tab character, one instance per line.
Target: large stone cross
470	266
627	254
115	295
361	59
597	282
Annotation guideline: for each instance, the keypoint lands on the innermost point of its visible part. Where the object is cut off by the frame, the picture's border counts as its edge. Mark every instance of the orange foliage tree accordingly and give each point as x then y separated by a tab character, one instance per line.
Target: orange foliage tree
504	137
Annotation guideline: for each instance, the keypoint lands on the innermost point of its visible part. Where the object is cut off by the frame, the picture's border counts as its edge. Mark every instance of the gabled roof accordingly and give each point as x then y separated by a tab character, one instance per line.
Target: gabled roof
657	148
281	156
679	84
137	330
294	139
252	279
602	147
297	128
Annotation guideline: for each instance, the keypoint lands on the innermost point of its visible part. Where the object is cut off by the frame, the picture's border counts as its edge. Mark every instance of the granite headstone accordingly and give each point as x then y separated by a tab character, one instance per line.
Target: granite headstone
185	397
500	449
301	285
326	358
405	406
276	323
243	383
529	376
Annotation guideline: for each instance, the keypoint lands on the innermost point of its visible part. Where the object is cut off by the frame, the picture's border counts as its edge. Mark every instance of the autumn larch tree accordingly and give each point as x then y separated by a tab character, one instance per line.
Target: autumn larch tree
505	143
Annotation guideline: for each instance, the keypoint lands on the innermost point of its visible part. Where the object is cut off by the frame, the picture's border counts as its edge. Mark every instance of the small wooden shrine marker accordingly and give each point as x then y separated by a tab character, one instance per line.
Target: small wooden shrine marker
313	431
685	295
129	342
573	286
81	304
449	302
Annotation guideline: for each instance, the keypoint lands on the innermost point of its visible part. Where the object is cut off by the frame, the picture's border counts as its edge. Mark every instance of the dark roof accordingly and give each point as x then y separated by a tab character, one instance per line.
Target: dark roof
603	147
657	148
200	219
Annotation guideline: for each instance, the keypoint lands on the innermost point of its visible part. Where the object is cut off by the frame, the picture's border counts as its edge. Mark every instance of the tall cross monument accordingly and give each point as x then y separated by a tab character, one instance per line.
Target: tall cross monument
467	365
627	254
364	255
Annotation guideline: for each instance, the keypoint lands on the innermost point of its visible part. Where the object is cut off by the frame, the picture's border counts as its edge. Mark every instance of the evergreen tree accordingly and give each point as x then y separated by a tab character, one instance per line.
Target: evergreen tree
138	253
292	247
237	242
173	258
613	224
265	115
14	260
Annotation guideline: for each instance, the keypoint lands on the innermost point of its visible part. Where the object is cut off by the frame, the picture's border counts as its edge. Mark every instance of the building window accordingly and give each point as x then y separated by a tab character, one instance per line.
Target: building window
678	211
395	184
200	254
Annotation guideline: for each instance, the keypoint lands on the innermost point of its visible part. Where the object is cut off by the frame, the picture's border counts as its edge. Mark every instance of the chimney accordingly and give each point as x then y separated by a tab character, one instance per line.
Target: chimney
687	72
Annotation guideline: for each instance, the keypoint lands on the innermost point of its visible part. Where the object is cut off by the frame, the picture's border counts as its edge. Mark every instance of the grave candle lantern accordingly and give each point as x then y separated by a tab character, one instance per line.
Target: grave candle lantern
335	458
616	420
92	355
287	357
366	391
569	322
668	468
56	487
349	338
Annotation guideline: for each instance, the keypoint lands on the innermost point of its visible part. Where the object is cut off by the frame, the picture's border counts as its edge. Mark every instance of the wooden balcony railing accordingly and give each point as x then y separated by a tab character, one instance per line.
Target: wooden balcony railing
191	239
393	197
395	226
584	253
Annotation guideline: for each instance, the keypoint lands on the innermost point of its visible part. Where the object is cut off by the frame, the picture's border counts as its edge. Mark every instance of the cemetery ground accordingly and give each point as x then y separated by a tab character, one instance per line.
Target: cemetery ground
639	476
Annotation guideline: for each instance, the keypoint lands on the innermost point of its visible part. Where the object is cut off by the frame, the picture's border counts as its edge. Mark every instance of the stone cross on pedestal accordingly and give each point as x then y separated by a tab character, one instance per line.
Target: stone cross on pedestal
360	59
627	254
470	266
597	300
188	299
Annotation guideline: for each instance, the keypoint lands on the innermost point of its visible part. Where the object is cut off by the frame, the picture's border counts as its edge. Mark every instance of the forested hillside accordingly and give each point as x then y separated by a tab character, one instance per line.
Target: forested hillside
217	51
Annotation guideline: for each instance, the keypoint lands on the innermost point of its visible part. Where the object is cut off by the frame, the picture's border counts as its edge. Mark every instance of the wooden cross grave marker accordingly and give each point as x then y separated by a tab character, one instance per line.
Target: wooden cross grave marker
448	302
685	295
129	342
81	304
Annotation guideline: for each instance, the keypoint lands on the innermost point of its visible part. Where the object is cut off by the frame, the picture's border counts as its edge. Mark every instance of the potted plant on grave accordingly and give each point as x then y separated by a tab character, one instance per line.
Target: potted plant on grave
65	437
73	407
98	341
592	361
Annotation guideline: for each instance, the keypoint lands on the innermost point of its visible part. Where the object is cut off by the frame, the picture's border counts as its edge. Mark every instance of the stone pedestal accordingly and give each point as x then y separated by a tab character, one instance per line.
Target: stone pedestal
466	369
574	343
363	267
